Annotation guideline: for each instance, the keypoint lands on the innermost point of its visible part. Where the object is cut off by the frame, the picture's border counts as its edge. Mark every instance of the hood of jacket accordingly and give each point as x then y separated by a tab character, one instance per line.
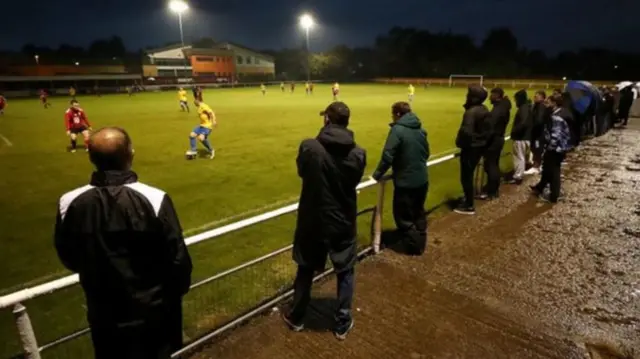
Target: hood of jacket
521	98
476	95
337	140
409	120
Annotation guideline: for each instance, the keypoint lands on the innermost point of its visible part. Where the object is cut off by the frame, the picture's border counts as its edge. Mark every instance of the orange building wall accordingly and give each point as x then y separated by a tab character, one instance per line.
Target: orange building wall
149	71
212	65
52	70
252	70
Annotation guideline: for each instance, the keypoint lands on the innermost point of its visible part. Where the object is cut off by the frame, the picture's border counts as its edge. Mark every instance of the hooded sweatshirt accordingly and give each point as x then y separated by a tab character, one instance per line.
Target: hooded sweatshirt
473	130
523	122
406	152
498	122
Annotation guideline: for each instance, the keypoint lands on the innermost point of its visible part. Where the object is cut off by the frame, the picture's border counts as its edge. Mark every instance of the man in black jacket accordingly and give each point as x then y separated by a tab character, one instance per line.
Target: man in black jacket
331	166
472	140
407	151
125	241
498	121
539	113
624	107
520	135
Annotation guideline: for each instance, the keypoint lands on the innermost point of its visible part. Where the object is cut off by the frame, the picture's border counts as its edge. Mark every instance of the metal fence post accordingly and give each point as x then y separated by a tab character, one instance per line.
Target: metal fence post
377	220
26	333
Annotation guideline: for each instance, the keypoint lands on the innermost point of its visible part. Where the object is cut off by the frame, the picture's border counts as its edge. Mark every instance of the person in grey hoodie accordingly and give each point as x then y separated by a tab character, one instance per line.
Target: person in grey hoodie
520	135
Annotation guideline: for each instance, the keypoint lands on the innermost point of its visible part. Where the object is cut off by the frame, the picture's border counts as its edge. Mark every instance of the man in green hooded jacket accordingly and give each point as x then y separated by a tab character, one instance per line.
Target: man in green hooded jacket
406	151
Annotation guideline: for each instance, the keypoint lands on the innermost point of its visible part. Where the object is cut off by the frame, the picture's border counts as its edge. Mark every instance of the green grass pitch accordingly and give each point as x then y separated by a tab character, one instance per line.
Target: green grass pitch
254	170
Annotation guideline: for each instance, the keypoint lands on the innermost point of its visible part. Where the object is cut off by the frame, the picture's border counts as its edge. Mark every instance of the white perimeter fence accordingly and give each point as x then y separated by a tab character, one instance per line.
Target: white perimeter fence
28	340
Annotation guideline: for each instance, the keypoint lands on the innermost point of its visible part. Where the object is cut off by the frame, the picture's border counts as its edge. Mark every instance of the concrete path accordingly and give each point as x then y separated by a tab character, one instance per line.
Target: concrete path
521	279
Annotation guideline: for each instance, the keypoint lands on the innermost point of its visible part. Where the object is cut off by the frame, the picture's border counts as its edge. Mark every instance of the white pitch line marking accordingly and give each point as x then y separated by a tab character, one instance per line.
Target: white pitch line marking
6	140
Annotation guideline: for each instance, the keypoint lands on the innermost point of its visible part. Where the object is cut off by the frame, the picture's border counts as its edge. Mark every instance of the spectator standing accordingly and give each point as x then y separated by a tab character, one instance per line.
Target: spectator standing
472	140
331	166
539	113
406	151
498	121
624	108
521	135
125	241
557	144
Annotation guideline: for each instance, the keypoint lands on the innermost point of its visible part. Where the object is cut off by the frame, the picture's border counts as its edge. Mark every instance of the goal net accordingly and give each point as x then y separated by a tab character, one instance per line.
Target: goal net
466	80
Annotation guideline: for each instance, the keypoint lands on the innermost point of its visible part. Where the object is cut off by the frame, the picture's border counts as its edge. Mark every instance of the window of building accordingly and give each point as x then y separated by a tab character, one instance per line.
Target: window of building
248	60
240	60
257	62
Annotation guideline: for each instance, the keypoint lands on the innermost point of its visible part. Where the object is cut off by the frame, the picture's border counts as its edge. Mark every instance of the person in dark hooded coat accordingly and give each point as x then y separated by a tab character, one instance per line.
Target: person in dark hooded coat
539	113
498	122
331	167
624	107
472	140
520	135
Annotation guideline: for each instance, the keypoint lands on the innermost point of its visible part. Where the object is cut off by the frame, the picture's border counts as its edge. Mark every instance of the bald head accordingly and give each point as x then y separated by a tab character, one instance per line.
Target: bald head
110	149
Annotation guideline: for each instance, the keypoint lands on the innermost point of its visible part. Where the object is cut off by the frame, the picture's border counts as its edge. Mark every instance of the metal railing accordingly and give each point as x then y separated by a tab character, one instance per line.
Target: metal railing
29	343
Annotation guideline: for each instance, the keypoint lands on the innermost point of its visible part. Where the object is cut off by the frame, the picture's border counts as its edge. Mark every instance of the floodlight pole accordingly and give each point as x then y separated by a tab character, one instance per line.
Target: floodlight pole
184	60
308	56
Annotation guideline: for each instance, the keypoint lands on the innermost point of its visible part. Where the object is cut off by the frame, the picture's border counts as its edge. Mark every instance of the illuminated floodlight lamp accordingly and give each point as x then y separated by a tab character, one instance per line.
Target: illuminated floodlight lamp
178	6
306	21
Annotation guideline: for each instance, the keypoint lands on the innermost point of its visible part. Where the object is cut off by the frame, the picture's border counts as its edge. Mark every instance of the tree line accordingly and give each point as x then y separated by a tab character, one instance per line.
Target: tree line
401	52
411	52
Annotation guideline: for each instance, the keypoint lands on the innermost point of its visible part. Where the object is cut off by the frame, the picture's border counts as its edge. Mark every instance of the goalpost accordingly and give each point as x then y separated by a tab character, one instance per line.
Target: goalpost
480	78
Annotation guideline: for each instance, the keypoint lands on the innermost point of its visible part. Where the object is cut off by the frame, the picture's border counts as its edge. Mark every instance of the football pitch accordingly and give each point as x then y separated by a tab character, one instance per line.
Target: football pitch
256	143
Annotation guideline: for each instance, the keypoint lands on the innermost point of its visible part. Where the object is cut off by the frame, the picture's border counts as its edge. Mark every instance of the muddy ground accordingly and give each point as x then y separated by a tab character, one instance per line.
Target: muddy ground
521	279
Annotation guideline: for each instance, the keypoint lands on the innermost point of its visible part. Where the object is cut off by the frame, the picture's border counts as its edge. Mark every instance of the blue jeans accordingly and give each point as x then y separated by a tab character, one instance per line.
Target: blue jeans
302	295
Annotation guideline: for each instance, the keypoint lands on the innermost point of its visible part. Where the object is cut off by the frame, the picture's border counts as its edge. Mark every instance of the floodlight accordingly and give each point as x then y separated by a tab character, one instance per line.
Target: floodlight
306	21
178	6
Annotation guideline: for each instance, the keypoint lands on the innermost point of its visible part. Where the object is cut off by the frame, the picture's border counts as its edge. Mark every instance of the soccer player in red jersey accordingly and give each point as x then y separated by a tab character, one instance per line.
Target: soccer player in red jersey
3	104
76	122
44	99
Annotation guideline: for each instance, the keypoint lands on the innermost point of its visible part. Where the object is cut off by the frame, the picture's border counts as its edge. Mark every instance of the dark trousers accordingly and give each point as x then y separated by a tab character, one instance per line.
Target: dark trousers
469	159
492	167
410	217
302	294
156	336
551	168
537	150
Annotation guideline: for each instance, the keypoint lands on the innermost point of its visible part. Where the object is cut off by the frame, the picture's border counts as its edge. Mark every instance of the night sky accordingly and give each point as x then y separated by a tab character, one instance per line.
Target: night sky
550	25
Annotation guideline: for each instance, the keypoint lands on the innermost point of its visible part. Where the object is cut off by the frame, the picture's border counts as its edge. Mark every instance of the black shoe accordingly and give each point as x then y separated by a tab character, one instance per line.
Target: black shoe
487	197
462	209
535	190
286	318
342	331
515	181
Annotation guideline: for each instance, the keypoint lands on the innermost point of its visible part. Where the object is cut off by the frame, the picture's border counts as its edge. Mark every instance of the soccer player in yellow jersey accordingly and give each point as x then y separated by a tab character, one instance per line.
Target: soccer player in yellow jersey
336	91
282	87
203	130
263	88
182	97
307	88
412	92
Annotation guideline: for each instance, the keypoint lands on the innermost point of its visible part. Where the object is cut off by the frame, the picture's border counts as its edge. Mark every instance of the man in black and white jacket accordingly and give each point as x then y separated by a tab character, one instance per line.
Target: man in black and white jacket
124	240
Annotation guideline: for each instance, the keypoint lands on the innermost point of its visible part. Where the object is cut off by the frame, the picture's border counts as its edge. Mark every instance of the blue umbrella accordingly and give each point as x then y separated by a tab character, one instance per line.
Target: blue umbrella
583	96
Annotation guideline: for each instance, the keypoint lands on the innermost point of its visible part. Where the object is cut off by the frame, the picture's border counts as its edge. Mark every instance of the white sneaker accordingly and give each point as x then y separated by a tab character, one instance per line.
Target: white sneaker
532	171
213	154
73	151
